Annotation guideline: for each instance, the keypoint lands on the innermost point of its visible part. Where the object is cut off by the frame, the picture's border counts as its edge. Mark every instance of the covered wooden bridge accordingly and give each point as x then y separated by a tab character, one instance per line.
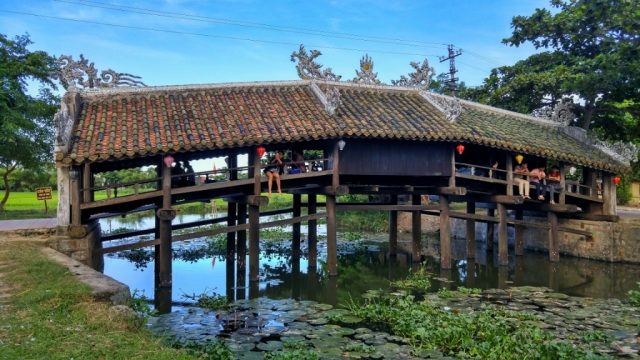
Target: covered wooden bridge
402	143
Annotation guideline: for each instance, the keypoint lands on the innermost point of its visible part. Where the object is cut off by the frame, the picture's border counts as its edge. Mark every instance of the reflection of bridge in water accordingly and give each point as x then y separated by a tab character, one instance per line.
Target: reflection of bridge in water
395	143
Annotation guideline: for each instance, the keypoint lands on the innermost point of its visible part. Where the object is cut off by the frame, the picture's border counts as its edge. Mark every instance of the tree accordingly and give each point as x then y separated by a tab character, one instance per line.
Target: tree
26	126
592	55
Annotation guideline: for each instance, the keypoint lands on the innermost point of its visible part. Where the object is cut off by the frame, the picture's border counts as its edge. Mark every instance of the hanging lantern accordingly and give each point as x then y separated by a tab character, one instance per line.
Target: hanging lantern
168	160
460	149
260	150
616	180
519	158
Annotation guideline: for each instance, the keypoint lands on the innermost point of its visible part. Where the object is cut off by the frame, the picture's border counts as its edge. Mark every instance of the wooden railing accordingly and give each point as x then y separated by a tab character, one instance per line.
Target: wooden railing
480	171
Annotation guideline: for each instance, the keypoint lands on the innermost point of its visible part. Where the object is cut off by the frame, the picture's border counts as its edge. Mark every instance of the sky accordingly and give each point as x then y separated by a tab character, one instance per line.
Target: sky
178	42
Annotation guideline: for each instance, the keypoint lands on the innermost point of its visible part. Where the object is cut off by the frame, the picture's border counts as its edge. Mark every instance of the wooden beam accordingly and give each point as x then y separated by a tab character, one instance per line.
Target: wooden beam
563	184
387	207
332	253
608	195
393	228
451	190
335	166
471	230
554	254
257	174
509	168
87	177
76	207
519	234
416	230
445	233
452	178
500	199
490	229
166	215
231	236
503	245
241	234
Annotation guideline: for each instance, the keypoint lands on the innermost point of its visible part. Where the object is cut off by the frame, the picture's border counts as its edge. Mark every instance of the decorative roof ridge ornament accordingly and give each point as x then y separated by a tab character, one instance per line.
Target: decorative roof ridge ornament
420	78
329	99
451	107
366	75
623	152
308	69
72	75
561	113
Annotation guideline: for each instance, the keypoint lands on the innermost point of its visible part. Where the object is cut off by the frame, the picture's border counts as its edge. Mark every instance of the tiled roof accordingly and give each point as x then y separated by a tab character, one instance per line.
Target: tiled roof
128	123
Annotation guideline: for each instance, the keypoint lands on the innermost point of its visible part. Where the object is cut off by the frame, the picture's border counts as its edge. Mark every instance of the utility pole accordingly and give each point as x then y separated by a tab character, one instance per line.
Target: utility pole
451	82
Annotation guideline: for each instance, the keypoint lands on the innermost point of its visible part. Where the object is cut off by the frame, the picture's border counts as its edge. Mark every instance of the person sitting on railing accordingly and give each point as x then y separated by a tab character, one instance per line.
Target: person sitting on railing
190	179
553	183
297	164
176	181
520	173
536	178
273	170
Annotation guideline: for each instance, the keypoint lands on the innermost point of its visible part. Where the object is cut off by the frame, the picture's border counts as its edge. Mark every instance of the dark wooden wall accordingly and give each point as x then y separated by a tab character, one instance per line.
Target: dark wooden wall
388	157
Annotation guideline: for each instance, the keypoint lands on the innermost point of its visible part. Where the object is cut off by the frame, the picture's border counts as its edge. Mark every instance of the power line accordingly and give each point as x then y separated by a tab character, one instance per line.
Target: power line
451	82
295	30
211	35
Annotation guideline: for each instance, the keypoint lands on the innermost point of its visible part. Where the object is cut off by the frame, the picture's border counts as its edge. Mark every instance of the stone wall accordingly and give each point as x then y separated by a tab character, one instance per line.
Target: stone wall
611	241
80	243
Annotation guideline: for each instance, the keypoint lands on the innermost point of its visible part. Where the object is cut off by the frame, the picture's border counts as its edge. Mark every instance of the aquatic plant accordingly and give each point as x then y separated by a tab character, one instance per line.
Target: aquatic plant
213	350
293	351
208	300
139	302
634	296
418	281
488	333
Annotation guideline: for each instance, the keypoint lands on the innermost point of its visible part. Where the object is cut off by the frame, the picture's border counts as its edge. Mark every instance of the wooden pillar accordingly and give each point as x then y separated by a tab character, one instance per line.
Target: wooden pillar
332	251
255	167
76	213
393	228
241	256
335	166
230	279
87	183
452	178
519	234
416	231
254	245
312	226
509	168
554	254
241	243
166	214
295	244
233	166
490	229
231	236
608	195
503	245
563	184
471	230
445	233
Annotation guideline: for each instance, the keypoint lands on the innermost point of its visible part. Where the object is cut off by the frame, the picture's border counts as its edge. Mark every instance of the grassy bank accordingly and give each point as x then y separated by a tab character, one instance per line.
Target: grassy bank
25	205
52	316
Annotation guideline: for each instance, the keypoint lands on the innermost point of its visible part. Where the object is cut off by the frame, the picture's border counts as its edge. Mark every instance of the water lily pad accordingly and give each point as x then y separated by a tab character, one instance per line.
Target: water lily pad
318	321
322	307
270	345
349	320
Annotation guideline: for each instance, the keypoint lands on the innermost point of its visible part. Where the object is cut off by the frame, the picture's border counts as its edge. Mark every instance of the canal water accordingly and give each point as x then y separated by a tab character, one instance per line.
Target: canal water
364	263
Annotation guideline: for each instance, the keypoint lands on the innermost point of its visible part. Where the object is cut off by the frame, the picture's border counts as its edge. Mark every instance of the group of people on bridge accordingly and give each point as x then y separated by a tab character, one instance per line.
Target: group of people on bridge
543	182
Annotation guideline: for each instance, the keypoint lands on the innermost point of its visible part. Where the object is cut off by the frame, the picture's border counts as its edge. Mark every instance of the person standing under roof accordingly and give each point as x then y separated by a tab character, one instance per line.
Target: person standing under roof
519	177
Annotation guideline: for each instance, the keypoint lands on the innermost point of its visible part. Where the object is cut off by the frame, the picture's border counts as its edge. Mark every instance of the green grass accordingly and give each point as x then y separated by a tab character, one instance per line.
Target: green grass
25	205
52	316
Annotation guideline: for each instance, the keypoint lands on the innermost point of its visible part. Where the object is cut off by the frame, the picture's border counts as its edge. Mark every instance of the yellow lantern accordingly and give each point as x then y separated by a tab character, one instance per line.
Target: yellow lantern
519	158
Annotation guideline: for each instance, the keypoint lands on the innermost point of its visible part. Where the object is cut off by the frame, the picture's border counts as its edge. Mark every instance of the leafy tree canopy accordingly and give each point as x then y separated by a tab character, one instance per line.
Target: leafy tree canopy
591	53
26	126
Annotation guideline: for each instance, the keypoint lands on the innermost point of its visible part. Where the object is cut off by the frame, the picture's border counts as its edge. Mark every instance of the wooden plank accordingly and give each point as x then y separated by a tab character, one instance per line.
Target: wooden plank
416	230
212	186
481	179
445	233
501	199
583	197
174	227
554	254
136	245
471	230
519	234
332	253
503	245
122	200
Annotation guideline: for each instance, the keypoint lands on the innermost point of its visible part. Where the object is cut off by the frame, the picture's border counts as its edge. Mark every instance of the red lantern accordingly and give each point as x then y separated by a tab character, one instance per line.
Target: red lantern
616	180
168	160
260	150
460	149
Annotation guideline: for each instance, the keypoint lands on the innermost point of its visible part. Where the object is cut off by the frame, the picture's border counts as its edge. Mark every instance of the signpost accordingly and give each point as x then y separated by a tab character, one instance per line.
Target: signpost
44	193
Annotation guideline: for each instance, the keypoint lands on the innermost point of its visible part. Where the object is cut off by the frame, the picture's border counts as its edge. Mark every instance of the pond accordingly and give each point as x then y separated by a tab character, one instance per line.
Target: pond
363	263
